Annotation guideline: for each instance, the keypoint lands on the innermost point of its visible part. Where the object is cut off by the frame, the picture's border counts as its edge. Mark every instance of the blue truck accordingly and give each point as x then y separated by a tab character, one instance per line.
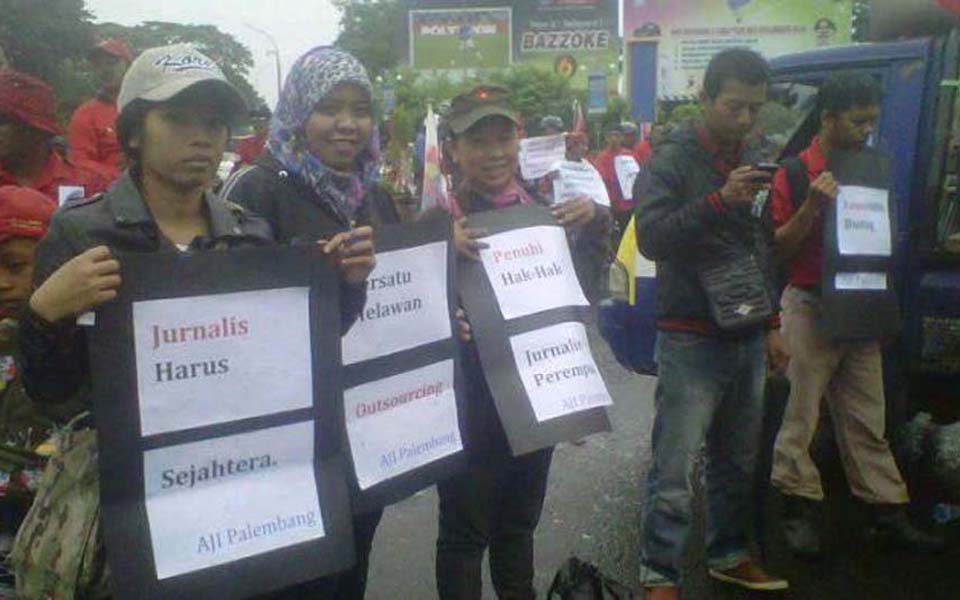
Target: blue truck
920	129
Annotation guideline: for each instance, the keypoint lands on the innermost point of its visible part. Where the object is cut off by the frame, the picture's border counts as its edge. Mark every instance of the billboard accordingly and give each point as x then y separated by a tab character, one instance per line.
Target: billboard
460	39
576	38
690	32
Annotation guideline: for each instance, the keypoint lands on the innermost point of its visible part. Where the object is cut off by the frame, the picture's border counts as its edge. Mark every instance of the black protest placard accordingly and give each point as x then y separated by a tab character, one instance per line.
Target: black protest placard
859	295
527	312
216	384
402	410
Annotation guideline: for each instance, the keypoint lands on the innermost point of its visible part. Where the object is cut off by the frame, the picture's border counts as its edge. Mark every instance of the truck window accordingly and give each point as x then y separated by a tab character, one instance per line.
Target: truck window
784	117
948	217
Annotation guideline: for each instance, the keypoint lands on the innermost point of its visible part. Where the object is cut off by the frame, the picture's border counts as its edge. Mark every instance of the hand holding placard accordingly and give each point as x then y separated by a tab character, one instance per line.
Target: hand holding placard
79	285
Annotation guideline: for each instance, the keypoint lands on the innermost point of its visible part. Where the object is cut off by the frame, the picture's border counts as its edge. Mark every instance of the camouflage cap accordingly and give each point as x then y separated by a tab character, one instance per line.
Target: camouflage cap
466	110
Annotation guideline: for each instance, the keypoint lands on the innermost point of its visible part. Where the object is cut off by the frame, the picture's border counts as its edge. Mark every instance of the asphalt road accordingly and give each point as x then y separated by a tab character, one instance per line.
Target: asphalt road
592	511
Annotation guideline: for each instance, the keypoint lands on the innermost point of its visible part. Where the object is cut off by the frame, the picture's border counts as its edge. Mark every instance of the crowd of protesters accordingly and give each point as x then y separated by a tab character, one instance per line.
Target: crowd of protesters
138	176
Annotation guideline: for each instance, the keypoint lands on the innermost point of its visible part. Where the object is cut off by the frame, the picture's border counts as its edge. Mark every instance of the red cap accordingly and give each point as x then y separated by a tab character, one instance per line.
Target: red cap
29	100
24	212
115	47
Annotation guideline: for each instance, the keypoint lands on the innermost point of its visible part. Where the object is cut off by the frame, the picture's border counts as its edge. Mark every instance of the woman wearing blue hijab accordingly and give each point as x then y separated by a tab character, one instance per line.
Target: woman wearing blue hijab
317	180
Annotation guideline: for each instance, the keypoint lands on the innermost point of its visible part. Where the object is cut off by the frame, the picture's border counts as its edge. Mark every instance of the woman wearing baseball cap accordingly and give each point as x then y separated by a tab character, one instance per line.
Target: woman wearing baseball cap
175	113
496	502
317	180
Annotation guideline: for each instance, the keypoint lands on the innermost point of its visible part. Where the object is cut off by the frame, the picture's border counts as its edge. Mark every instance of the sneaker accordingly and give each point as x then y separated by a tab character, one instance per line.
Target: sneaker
802	525
661	592
751	576
894	527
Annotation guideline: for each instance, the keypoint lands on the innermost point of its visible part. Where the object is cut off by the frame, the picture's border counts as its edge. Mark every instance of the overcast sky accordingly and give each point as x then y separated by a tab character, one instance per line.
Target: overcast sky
296	25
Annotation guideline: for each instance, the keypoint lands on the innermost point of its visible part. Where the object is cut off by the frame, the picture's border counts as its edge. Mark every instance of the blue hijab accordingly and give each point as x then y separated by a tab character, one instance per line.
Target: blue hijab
311	79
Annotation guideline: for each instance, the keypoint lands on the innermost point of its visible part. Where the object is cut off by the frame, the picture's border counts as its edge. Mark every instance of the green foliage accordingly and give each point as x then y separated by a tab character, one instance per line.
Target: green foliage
38	35
374	31
233	57
536	93
684	112
50	39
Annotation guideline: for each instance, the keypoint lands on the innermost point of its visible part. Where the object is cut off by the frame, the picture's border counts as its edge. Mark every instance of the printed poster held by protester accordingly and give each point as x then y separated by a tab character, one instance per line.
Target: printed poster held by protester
858	301
574	180
527	310
216	386
403	419
539	154
627	170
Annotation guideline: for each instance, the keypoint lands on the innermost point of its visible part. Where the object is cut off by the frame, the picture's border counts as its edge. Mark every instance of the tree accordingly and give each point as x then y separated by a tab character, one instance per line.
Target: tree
39	35
374	31
230	55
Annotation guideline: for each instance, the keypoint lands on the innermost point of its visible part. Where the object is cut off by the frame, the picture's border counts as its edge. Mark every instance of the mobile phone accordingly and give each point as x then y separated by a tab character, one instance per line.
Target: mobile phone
766	167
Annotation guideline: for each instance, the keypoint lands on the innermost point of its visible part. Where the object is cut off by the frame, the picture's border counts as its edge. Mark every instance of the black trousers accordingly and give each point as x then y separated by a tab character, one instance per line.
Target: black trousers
496	502
346	585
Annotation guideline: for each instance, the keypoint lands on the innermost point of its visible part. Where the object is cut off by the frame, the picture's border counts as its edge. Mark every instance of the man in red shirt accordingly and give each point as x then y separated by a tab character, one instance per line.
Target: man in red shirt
28	124
849	375
250	148
93	128
605	162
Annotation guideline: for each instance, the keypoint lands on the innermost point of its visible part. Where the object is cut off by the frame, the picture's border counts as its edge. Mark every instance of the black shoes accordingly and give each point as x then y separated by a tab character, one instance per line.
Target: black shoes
802	522
891	525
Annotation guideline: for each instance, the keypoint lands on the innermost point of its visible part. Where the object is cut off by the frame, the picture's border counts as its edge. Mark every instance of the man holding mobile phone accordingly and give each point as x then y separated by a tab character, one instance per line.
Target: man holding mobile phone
696	208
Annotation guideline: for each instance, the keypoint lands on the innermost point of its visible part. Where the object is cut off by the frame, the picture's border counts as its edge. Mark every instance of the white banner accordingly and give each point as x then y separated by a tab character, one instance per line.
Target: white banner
531	271
558	370
577	180
860	281
406	304
863	221
220	500
627	170
538	154
233	344
402	422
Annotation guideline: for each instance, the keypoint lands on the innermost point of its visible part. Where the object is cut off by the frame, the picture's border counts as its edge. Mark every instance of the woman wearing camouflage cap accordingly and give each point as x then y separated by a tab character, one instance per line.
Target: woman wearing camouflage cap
496	502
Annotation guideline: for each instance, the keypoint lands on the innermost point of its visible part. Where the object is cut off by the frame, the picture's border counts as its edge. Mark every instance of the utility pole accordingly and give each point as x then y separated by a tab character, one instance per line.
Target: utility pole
275	52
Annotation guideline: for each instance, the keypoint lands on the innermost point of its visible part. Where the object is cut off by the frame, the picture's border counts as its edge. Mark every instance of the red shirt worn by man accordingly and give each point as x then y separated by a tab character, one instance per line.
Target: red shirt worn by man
642	152
62	180
805	270
93	137
30	103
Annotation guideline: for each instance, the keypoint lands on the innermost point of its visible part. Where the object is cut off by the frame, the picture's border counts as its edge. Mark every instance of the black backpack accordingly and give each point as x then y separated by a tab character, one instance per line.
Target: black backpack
578	580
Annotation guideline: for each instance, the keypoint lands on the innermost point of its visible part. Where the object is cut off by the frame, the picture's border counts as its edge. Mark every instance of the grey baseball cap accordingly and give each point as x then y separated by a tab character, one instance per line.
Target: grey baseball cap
161	74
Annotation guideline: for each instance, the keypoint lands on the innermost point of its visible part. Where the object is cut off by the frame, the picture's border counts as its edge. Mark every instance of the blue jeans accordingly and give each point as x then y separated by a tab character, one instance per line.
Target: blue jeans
709	390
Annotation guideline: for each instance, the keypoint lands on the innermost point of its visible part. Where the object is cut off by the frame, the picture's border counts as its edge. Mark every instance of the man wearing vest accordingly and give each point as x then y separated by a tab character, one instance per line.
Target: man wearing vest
848	374
93	128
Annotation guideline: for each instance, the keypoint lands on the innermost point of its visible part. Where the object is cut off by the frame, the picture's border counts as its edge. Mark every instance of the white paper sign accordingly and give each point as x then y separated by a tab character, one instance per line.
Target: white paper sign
531	271
627	170
406	304
538	154
578	179
558	370
220	500
224	357
863	221
860	281
644	267
402	422
65	193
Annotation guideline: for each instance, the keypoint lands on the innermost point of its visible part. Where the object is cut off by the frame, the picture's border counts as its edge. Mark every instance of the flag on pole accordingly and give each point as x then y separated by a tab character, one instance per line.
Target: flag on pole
579	122
434	183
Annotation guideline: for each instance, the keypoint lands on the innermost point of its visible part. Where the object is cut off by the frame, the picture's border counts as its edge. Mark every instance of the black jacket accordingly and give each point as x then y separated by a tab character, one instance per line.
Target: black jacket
297	214
293	209
681	222
53	358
